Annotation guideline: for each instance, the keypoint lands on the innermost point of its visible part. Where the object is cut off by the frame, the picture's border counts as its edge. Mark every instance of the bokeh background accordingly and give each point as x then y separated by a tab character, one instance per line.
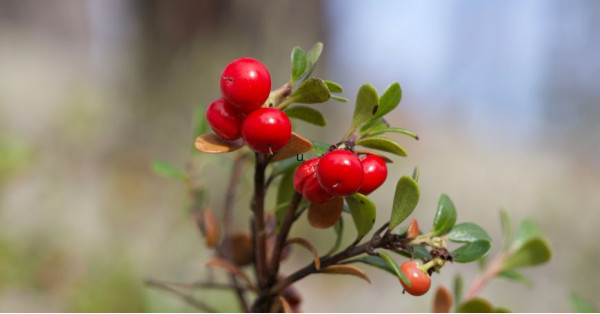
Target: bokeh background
505	97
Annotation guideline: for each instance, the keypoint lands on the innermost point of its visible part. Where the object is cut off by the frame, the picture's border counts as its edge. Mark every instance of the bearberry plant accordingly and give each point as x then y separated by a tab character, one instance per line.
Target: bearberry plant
326	183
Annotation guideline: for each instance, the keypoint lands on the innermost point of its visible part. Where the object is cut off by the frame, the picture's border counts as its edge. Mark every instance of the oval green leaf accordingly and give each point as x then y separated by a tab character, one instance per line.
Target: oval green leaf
383	144
312	56
363	212
311	91
339	98
373	127
534	252
528	230
475	305
445	217
298	63
306	114
367	103
514	275
406	199
392	264
471	251
389	100
333	86
467	232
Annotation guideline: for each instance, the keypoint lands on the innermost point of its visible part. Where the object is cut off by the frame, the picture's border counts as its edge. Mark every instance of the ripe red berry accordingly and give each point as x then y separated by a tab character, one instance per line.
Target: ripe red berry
266	130
314	192
305	170
375	172
246	83
224	119
419	280
340	173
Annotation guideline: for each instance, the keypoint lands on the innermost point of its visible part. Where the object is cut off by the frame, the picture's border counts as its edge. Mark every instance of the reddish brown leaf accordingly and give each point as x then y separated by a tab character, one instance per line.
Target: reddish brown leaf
442	302
221	263
214	144
413	229
285	306
241	249
297	145
310	247
346	270
207	223
326	214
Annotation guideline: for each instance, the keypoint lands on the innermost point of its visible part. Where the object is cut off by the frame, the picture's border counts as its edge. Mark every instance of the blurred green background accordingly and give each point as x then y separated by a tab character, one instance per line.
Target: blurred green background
504	96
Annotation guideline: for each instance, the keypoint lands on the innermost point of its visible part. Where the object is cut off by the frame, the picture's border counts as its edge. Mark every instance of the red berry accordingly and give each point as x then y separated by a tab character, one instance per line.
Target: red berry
375	172
246	83
340	173
224	119
314	192
267	130
305	170
419	280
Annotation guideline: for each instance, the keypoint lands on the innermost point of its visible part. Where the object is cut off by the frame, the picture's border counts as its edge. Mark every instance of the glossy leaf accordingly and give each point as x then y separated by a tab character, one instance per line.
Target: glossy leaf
445	216
298	63
383	144
442	301
326	214
514	275
363	212
297	145
471	251
311	91
467	232
394	267
475	305
168	170
367	103
458	289
389	100
306	114
334	87
534	252
580	305
346	270
214	144
406	198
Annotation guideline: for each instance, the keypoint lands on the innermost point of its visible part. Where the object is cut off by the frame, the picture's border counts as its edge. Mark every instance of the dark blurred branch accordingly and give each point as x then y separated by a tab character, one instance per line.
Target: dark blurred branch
184	296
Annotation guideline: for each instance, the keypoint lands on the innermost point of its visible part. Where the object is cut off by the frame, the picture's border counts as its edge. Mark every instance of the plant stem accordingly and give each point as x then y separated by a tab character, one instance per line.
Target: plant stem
493	269
186	297
258	204
286	225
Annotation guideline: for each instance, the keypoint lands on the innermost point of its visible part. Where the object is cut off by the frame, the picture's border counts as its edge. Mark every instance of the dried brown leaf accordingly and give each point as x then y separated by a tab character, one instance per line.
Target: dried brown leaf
413	229
297	145
326	214
210	227
346	270
442	302
214	144
307	245
285	306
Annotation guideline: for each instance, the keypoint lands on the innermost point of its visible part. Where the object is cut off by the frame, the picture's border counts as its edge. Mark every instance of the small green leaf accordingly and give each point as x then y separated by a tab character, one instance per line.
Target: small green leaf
502	310
375	261
367	103
390	262
312	56
389	100
311	91
283	166
527	231
339	98
375	126
475	305
581	305
298	63
320	147
535	252
506	230
280	212
421	253
383	144
286	188
380	130
467	232
516	276
445	217
471	251
168	170
406	199
415	174
458	290
339	231
307	114
363	212
333	86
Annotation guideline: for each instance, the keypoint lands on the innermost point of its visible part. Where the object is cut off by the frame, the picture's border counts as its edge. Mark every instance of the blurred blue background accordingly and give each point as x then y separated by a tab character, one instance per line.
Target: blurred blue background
504	95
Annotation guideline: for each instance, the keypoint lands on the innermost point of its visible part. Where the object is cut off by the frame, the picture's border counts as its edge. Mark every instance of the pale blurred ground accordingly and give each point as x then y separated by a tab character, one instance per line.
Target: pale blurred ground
504	97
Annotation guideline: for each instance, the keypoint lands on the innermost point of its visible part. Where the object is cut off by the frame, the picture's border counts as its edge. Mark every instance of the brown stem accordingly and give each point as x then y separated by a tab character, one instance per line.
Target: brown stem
193	285
258	204
184	296
284	231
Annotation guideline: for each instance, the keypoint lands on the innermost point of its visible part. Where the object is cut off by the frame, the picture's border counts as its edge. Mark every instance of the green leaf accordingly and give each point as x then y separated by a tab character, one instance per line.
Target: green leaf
280	212
298	63
286	188
389	100
516	276
527	231
283	166
333	86
445	217
467	232
383	144
320	147
535	252
471	251
475	305
307	114
367	102
421	253
506	230
415	174
390	262
375	126
168	170
580	305
311	91
380	130
502	310
458	290
339	98
406	199
375	261
363	212
339	231
312	56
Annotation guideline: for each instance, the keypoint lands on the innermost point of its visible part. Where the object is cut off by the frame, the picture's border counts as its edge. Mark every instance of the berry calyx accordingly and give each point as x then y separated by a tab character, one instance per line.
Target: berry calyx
246	83
314	192
340	173
419	279
302	173
224	119
375	173
266	130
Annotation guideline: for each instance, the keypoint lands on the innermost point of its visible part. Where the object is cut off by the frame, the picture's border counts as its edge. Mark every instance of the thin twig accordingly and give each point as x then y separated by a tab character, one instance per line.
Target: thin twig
284	231
184	296
194	285
258	204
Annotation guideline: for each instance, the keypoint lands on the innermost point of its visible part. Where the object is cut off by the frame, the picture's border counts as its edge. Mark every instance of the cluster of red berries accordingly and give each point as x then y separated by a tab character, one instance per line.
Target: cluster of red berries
339	173
245	86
